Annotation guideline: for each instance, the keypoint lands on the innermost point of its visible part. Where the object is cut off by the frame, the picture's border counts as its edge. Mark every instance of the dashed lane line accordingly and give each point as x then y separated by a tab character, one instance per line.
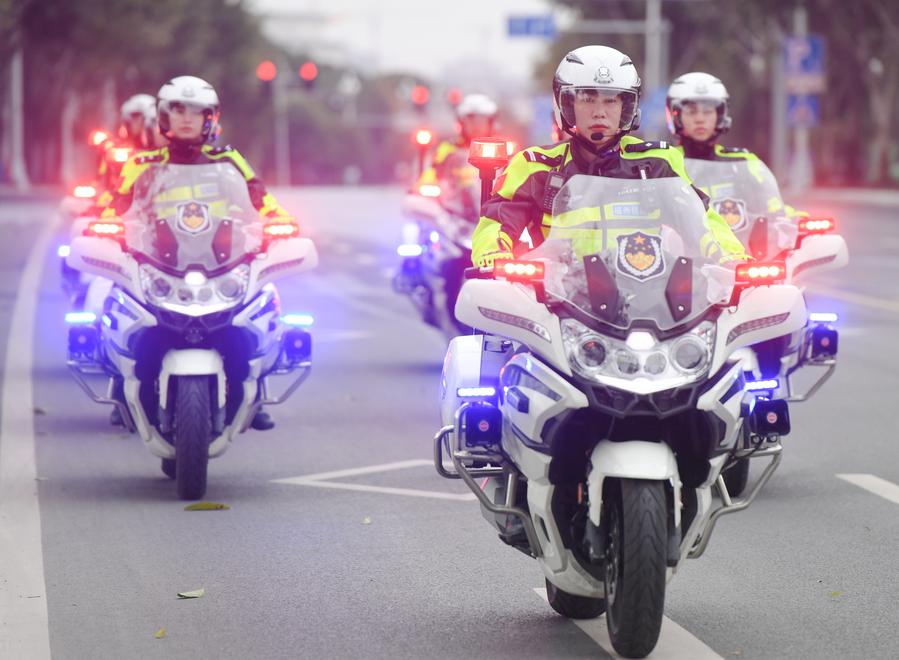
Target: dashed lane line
873	484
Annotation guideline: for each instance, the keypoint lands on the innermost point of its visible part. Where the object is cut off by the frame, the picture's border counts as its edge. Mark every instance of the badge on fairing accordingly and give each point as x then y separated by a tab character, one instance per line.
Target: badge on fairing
640	256
732	210
603	75
193	217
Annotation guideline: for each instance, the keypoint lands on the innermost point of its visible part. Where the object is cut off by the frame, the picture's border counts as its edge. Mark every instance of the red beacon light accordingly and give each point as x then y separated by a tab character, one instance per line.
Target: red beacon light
280	229
519	271
85	191
817	225
121	154
423	137
488	153
429	190
761	273
111	228
97	138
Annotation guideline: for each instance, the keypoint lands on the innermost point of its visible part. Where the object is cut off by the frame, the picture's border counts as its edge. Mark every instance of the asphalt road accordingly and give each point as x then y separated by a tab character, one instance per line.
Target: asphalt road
329	571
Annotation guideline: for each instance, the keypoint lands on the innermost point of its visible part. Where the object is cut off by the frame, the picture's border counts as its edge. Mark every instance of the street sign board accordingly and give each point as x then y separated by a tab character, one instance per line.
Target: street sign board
803	111
804	65
543	26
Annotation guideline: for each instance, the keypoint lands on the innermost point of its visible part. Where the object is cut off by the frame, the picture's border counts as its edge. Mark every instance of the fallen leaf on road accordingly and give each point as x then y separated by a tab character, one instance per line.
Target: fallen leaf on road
160	633
366	520
196	593
206	506
836	594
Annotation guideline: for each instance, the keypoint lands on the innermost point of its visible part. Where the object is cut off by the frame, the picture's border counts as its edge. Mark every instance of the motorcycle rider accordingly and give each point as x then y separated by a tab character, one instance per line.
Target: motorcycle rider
188	116
475	117
596	92
697	113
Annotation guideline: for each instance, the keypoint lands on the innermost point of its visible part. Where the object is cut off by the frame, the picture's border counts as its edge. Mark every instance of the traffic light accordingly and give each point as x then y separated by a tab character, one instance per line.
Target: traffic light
454	96
308	73
420	96
266	71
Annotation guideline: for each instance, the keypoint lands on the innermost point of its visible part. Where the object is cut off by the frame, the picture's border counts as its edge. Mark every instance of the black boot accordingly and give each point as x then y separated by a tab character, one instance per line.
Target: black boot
262	421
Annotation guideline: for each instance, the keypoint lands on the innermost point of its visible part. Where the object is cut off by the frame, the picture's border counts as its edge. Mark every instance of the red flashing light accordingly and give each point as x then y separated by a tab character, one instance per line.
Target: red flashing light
112	228
308	71
420	95
817	225
266	71
429	190
281	229
423	137
488	153
121	154
758	273
97	137
519	271
84	191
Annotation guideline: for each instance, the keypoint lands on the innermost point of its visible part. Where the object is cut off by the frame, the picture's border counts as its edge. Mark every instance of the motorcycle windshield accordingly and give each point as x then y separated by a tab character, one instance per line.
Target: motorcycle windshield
627	250
187	217
746	195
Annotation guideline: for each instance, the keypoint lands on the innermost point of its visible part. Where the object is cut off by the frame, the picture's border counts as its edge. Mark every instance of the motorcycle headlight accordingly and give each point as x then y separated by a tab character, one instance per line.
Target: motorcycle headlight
157	286
598	357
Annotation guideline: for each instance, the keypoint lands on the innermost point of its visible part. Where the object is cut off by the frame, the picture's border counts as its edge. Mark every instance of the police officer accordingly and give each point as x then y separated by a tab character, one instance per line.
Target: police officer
697	112
188	117
596	92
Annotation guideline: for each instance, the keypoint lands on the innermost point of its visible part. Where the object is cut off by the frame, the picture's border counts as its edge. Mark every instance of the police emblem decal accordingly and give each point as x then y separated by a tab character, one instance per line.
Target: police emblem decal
732	210
640	256
603	75
193	217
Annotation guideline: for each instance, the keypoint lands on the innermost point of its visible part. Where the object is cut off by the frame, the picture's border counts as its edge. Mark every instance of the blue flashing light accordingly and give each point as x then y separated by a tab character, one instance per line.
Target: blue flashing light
762	385
81	318
298	320
476	392
63	251
823	317
409	250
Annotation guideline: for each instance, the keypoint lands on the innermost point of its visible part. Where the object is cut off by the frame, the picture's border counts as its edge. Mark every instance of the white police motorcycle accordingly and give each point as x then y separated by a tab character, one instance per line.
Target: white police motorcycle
594	419
183	322
746	194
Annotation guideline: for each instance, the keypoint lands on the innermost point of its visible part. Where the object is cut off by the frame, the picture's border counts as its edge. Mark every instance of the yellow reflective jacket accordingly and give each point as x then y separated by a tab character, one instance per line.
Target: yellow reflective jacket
140	162
516	203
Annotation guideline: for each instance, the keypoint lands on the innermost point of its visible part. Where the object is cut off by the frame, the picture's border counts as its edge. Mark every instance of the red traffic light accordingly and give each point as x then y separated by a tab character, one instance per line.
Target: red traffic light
308	71
266	71
454	96
420	95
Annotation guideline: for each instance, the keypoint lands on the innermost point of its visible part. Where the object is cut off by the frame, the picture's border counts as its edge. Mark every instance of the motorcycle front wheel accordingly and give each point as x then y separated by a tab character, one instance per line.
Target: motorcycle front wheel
192	434
636	523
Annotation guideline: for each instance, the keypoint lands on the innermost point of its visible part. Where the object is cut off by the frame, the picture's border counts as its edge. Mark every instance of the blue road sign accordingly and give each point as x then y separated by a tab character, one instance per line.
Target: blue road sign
804	65
532	26
803	111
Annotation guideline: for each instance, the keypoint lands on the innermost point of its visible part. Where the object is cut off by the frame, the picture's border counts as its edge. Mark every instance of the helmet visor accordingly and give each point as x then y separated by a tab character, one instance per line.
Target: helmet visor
590	106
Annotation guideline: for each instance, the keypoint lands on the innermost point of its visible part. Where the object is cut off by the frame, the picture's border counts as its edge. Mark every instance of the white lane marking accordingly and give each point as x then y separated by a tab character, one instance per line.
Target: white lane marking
324	480
24	626
674	643
884	304
352	472
384	490
885	489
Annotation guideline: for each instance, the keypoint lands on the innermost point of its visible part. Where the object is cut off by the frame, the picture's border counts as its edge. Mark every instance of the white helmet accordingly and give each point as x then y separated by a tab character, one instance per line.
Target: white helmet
696	87
597	68
139	105
189	91
477	104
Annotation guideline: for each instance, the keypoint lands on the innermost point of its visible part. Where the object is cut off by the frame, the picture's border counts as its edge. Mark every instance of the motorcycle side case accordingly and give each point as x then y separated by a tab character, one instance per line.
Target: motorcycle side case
471	361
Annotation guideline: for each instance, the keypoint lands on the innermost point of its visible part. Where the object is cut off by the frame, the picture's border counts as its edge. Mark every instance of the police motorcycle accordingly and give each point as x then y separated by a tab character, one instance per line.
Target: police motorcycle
746	194
188	334
593	419
436	244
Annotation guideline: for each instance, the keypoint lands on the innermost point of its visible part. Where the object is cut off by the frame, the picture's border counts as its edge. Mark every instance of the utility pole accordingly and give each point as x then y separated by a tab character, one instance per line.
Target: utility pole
801	170
282	123
18	170
778	100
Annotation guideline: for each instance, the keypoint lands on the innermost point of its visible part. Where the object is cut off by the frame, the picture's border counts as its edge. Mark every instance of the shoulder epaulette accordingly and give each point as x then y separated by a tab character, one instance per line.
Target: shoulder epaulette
217	151
544	159
734	150
640	147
